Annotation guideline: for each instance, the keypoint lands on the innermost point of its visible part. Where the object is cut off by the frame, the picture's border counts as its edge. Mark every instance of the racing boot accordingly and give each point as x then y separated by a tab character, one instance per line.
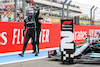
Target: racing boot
22	54
36	54
33	52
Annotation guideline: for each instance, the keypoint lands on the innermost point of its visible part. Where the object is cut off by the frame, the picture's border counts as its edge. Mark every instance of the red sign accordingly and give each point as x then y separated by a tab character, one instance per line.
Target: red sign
11	39
80	32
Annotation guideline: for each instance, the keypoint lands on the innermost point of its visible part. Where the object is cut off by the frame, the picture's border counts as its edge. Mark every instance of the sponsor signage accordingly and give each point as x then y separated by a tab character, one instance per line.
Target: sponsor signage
11	39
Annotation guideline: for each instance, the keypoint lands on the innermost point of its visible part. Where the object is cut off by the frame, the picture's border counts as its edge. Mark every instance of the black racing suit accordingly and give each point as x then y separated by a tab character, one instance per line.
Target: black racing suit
38	25
30	31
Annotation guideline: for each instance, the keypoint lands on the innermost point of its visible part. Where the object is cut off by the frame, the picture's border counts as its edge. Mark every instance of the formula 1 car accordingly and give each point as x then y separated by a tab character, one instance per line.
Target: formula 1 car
88	52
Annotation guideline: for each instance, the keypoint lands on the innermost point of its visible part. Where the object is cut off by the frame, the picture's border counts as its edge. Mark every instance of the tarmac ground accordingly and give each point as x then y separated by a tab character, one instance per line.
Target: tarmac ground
47	62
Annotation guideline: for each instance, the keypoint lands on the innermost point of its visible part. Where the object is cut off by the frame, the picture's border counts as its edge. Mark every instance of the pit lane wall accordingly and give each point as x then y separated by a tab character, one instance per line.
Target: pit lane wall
11	39
80	32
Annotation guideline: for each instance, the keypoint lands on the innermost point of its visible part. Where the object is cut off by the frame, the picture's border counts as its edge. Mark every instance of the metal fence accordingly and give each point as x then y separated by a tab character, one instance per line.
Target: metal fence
89	13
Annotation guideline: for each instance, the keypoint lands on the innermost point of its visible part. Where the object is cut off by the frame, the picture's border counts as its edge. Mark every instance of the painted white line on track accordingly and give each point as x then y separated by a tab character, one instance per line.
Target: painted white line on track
28	51
23	60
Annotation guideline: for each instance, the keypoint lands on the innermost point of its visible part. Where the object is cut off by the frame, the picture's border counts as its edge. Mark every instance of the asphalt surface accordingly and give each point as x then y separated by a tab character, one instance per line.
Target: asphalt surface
46	62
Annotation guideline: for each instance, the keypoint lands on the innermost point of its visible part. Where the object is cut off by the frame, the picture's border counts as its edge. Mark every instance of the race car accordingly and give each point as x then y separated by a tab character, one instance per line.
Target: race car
88	52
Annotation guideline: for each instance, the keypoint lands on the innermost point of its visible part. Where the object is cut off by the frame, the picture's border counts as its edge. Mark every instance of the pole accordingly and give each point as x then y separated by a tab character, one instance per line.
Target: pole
68	9
63	9
15	15
51	7
63	12
23	9
94	13
91	15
